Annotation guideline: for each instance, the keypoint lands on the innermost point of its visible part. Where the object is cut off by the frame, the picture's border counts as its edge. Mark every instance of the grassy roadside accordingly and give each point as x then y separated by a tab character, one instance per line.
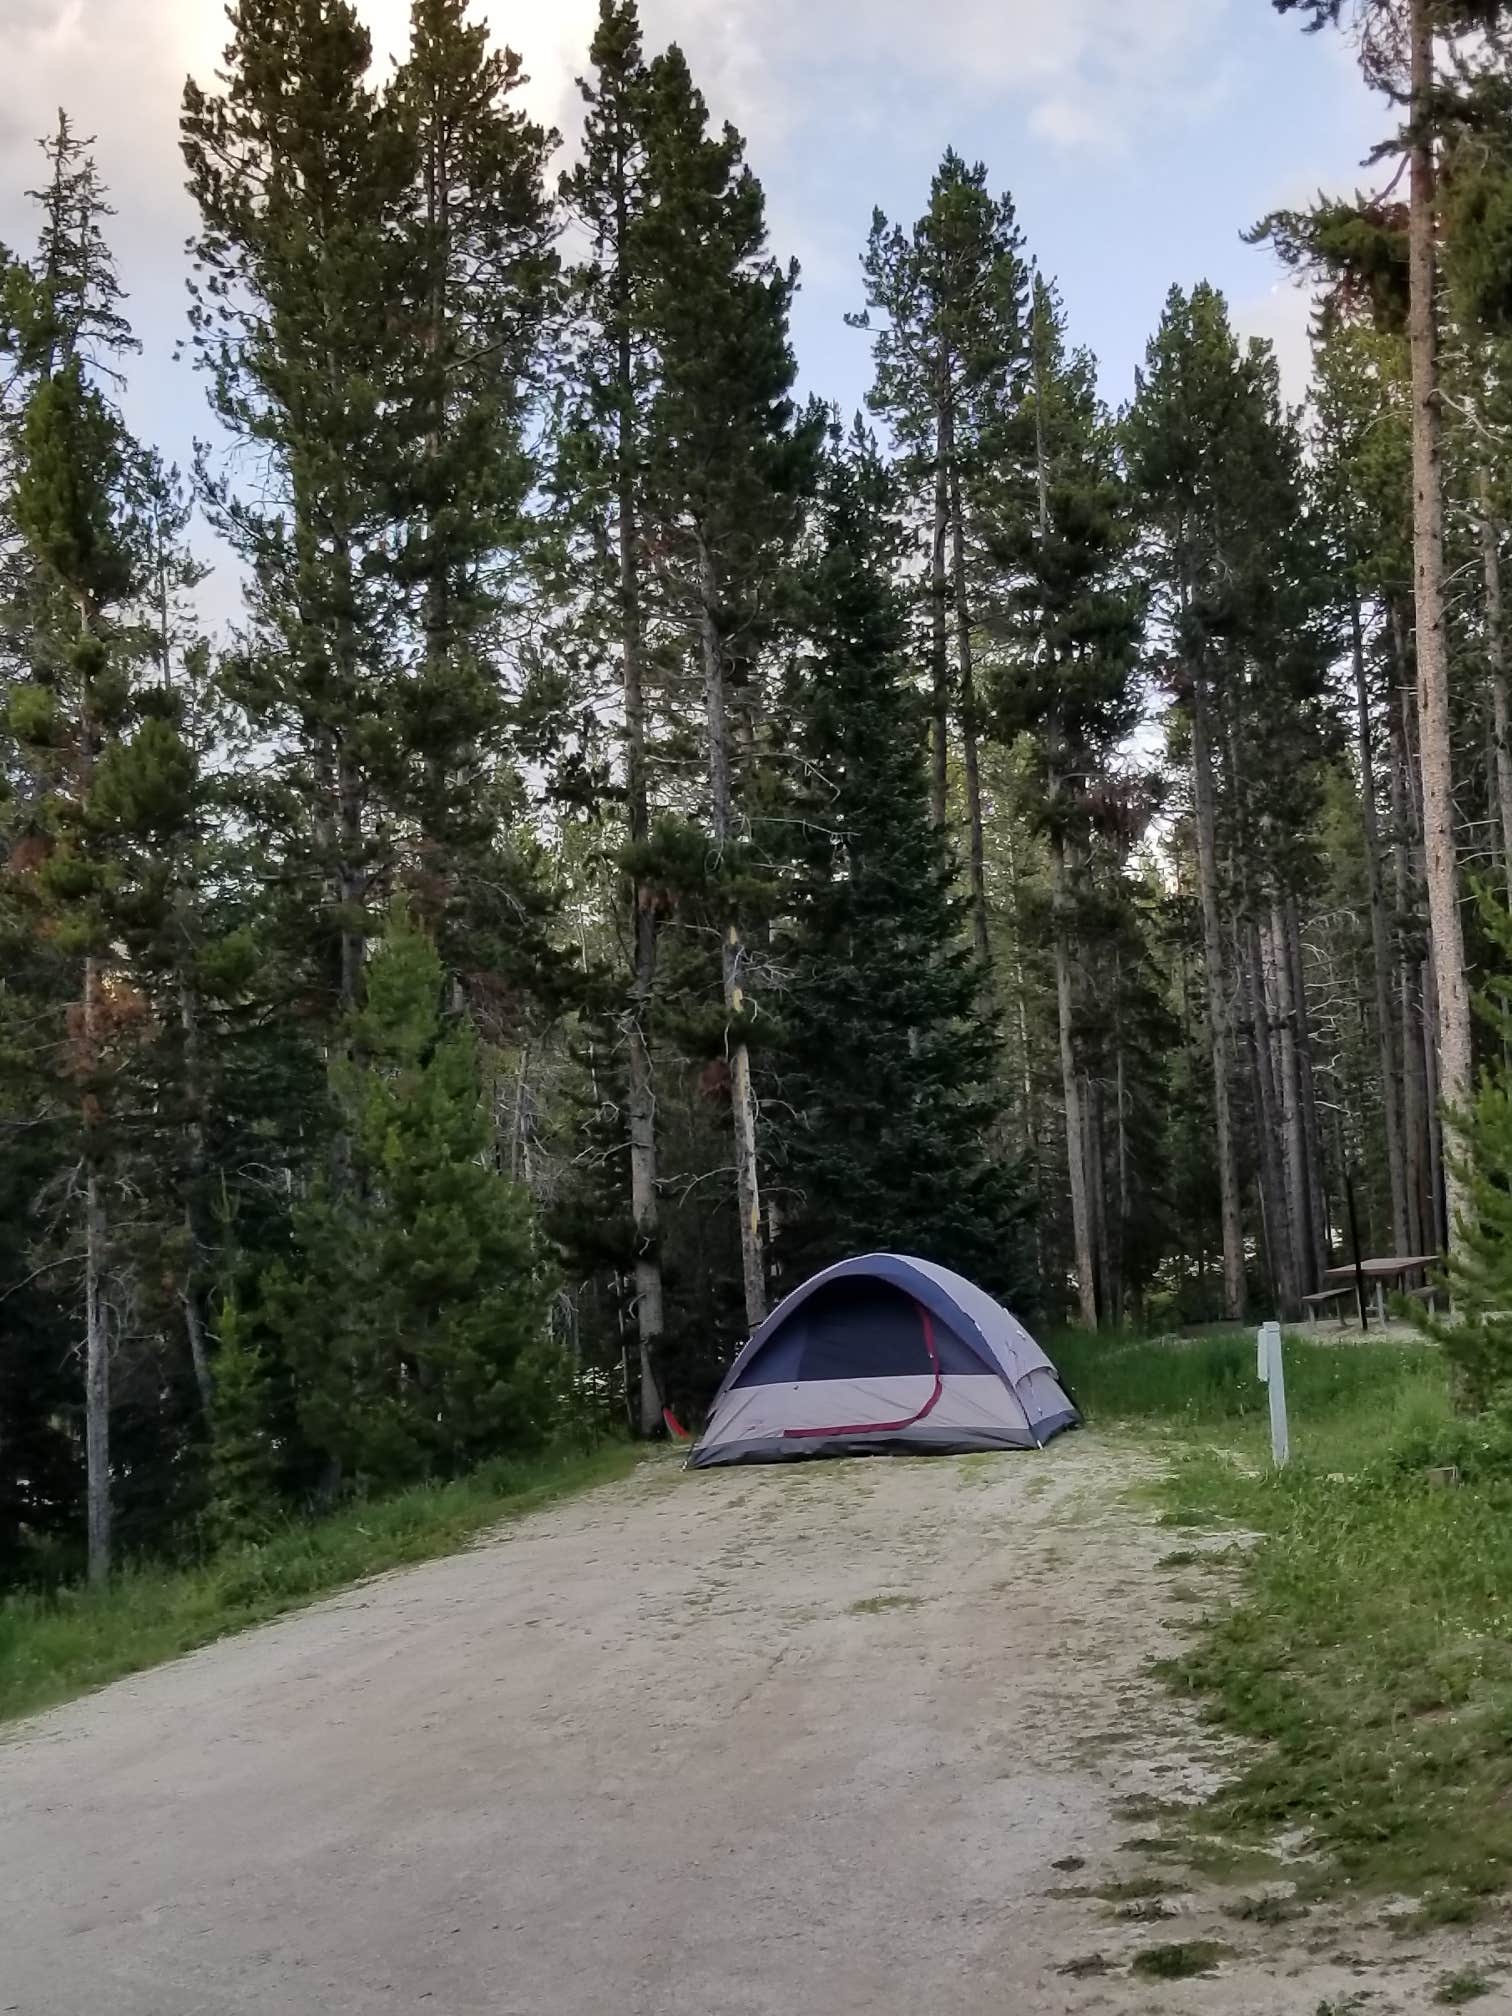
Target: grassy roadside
62	1644
1365	1639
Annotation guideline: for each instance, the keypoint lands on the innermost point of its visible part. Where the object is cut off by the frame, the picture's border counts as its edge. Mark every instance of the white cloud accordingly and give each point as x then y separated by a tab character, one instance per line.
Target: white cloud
983	45
1282	317
1086	72
117	66
1069	122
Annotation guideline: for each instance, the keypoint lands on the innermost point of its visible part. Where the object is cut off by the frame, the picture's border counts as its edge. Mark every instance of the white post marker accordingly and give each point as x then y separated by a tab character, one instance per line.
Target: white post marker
1272	1376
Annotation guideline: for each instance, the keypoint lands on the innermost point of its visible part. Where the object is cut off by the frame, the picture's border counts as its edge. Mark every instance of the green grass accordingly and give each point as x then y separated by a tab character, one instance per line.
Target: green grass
1180	1961
1205	1388
1461	1988
874	1606
64	1643
1368	1648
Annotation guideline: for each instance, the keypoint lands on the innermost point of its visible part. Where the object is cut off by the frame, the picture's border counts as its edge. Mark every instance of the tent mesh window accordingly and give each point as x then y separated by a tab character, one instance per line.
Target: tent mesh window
856	1329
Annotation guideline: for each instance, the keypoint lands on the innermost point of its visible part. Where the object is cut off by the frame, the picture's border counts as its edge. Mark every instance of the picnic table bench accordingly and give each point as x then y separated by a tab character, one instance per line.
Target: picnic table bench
1393	1268
1316	1304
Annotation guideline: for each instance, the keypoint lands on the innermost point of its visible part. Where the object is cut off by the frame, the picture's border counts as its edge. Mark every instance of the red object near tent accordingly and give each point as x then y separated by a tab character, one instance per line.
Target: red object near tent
674	1427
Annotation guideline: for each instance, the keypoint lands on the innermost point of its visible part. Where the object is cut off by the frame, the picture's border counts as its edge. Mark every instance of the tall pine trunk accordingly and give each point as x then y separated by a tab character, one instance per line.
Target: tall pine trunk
965	673
939	650
194	1100
645	1203
436	598
96	1313
1299	1177
1312	1133
1118	1244
437	602
1031	1126
1219	1038
1435	1235
350	881
645	1200
195	1097
732	953
96	1227
1452	1014
1071	1088
1414	1102
1496	669
350	809
1380	942
1436	1221
1416	1118
1268	1119
1097	1186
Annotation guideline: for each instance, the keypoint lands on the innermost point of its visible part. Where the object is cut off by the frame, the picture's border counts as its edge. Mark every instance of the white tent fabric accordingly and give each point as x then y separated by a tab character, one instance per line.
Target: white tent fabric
880	1354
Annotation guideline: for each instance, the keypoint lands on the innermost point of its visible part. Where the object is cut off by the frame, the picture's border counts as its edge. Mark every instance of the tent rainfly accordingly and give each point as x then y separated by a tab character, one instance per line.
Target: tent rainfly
881	1355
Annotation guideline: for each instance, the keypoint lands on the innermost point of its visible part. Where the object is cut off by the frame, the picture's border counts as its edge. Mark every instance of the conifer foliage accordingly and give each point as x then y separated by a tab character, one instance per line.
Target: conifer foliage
887	1060
1479	1343
409	1320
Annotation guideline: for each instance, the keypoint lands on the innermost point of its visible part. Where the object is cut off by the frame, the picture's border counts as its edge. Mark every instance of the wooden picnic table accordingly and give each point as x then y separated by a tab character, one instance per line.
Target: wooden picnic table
1392	1267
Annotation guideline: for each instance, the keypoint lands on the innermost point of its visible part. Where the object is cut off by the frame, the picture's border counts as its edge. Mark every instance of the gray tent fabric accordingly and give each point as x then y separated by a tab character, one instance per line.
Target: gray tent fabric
880	1355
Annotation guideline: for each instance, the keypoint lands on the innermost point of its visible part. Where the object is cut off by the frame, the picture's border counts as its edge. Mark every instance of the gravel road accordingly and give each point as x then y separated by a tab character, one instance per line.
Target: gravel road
807	1739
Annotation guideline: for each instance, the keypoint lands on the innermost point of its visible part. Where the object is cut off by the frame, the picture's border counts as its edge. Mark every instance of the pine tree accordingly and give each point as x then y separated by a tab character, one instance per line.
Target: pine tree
66	305
478	276
1478	1343
951	300
1478	394
1218	468
101	768
611	387
1057	527
1183	409
172	935
302	177
244	1476
1396	41
727	461
888	1064
412	1315
1363	457
40	1389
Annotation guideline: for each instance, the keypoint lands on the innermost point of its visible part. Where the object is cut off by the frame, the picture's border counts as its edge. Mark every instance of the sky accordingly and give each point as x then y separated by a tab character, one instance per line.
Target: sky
1137	137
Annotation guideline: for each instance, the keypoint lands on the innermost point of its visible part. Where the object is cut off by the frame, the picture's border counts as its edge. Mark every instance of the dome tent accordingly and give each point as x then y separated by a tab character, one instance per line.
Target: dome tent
879	1355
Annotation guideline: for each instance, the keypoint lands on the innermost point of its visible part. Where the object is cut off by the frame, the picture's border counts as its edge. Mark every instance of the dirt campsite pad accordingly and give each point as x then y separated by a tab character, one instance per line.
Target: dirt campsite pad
841	1737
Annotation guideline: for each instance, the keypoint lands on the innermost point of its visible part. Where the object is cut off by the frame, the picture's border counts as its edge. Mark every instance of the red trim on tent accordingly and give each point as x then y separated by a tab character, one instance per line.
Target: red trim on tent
885	1427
